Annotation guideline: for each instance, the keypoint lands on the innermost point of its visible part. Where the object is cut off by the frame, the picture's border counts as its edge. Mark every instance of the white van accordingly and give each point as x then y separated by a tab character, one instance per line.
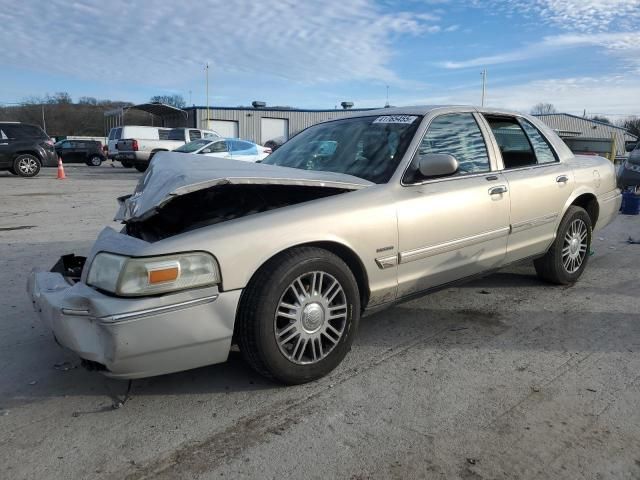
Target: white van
134	131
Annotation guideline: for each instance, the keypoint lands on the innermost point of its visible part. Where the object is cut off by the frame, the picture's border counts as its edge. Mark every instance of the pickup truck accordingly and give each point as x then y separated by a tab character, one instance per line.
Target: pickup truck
139	151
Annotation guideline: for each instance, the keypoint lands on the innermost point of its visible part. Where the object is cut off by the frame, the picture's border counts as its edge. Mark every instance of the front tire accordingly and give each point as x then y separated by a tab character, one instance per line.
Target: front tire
141	167
26	165
298	315
567	257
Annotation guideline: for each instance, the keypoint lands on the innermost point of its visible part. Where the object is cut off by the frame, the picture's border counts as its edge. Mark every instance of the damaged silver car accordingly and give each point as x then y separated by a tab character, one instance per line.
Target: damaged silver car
350	216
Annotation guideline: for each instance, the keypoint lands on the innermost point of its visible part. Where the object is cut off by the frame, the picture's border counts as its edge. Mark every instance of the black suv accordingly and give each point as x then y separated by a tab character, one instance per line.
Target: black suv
25	148
81	151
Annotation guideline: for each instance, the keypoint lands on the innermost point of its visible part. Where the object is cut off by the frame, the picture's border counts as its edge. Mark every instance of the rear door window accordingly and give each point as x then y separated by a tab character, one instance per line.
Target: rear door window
541	146
514	144
194	135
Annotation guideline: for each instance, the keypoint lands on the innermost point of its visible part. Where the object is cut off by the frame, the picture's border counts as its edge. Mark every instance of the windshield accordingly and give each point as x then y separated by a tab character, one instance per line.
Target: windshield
192	146
365	147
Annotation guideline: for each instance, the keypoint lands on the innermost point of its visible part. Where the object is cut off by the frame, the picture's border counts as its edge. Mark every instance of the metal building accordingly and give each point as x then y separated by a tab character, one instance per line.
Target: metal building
583	132
255	124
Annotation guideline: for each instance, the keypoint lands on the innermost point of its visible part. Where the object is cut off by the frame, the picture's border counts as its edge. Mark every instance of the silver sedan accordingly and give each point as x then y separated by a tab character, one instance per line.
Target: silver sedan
350	216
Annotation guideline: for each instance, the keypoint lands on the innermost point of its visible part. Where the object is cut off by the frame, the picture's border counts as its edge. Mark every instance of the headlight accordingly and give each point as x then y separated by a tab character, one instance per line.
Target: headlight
151	275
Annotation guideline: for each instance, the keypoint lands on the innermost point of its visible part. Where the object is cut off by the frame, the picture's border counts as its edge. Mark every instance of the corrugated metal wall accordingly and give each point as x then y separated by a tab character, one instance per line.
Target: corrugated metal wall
587	128
249	119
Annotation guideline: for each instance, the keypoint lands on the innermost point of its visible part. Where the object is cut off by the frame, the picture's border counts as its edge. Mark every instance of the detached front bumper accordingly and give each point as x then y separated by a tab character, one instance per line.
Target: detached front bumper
136	337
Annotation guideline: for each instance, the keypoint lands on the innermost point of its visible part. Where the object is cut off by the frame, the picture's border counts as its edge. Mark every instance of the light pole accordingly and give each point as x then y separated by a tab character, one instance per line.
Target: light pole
484	85
208	116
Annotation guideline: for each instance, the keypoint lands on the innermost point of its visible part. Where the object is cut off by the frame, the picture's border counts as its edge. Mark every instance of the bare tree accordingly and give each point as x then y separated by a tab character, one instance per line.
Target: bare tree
543	109
601	118
173	100
632	125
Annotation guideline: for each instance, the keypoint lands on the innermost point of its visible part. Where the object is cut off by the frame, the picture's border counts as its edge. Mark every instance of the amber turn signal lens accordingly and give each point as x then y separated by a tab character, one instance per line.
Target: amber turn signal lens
163	275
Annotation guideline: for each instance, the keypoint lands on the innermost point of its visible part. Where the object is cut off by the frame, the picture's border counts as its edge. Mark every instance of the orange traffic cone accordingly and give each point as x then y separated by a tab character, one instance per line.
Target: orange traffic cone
61	175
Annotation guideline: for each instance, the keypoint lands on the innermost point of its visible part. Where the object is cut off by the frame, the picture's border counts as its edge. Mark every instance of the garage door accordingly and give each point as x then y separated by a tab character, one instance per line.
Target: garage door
271	128
226	128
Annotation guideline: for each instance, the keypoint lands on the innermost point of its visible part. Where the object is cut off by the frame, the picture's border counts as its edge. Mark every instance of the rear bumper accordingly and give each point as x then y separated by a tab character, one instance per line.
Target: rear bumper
49	158
133	156
136	337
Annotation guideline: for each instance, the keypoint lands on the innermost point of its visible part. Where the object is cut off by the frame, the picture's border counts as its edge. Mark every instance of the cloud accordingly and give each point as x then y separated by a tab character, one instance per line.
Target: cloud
587	16
625	45
606	94
161	42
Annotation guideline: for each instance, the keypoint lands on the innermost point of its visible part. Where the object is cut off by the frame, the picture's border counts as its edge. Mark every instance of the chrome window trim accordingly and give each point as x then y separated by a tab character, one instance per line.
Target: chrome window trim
496	147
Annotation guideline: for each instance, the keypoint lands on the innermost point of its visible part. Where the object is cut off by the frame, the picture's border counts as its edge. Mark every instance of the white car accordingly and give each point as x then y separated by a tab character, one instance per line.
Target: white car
232	148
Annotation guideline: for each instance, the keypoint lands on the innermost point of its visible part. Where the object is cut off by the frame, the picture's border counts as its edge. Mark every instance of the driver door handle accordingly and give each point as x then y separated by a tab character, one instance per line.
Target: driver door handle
500	189
562	179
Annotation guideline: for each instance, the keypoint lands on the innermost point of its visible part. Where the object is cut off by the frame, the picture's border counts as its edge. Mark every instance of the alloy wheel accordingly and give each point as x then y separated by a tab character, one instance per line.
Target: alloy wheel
27	166
310	318
574	248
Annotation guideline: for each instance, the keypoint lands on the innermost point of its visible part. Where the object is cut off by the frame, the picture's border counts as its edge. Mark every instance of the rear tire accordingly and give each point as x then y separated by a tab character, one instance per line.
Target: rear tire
567	257
94	161
141	167
298	316
126	163
26	165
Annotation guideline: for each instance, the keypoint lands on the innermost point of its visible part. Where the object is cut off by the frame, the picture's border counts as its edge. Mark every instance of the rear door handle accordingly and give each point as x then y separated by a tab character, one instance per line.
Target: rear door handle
500	189
562	179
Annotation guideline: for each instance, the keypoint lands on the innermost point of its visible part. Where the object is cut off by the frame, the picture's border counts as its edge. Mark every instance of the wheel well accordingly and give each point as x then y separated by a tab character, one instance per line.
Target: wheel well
589	202
354	263
29	152
347	255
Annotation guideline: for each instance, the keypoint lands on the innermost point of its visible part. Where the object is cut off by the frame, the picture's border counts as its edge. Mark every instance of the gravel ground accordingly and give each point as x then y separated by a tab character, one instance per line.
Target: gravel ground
502	378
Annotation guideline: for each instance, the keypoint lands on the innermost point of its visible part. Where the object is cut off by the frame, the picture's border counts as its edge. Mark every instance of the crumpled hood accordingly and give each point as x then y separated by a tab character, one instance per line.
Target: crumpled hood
172	174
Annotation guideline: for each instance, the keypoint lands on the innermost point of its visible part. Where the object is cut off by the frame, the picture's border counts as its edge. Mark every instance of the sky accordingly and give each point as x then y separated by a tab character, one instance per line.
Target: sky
576	54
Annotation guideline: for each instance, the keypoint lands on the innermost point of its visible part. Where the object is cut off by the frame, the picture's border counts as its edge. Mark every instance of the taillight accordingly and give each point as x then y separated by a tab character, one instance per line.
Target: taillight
267	150
134	145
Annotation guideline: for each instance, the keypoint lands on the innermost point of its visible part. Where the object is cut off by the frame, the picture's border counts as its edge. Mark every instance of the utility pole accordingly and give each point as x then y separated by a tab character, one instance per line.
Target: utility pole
190	98
208	116
386	105
44	125
484	85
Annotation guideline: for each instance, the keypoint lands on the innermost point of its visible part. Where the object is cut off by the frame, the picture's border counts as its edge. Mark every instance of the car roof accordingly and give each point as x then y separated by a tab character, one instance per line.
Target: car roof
425	109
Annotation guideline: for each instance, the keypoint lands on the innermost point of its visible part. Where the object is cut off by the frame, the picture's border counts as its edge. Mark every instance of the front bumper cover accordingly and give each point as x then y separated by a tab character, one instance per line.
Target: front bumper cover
136	337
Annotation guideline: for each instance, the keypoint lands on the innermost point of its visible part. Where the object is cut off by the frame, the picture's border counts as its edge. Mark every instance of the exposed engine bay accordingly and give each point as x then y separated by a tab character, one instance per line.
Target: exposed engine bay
220	204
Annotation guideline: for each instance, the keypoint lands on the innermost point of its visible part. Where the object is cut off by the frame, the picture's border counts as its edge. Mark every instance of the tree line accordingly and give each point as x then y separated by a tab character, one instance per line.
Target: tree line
59	115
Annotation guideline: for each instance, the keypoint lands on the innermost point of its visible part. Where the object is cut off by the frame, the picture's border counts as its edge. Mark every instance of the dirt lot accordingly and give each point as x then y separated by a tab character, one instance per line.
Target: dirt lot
503	378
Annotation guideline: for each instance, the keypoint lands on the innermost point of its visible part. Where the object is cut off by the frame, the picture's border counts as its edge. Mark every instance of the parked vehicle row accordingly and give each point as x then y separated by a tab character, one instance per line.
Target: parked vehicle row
25	148
138	145
348	217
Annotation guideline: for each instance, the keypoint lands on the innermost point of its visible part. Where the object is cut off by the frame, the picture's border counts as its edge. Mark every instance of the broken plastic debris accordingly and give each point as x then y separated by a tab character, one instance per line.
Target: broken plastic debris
33	382
64	366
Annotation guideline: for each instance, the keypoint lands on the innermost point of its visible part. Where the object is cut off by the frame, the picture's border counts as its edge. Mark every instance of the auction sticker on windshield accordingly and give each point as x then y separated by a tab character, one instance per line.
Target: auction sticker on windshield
395	119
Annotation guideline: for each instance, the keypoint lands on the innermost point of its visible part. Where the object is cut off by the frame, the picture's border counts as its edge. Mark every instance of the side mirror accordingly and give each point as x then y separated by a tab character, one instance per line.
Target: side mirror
630	146
437	164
